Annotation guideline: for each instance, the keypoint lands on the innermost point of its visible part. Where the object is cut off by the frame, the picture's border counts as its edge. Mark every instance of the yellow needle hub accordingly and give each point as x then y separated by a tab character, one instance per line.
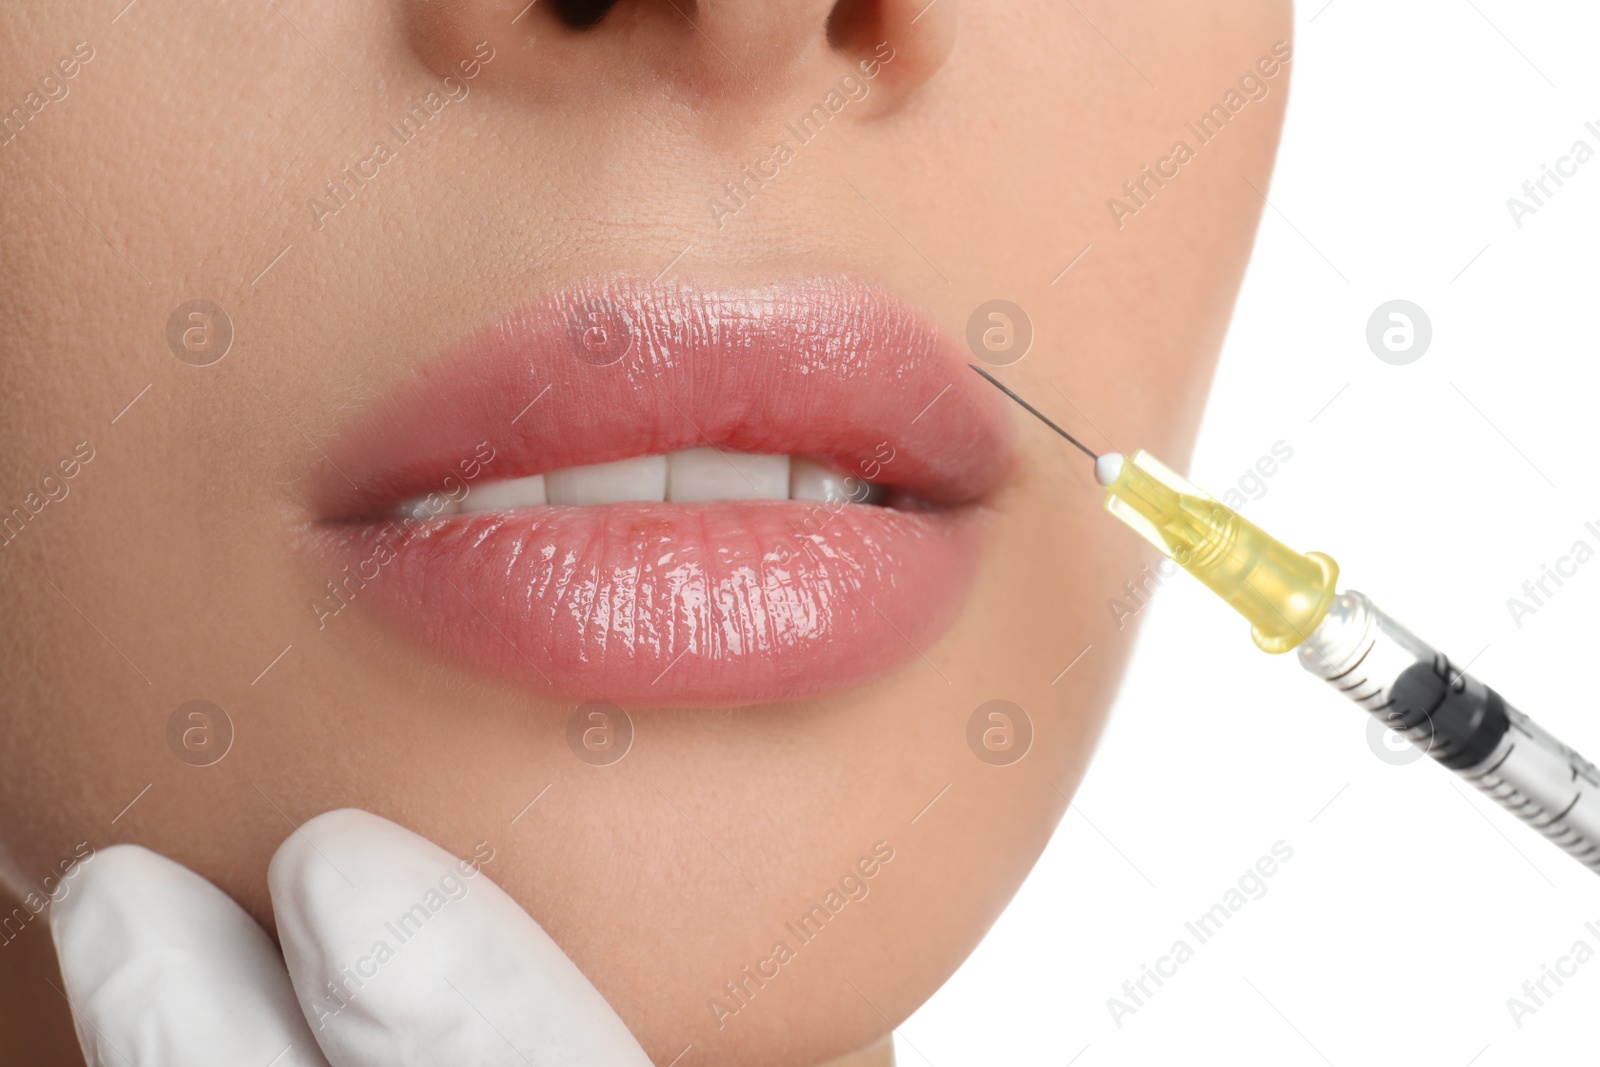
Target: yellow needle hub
1282	593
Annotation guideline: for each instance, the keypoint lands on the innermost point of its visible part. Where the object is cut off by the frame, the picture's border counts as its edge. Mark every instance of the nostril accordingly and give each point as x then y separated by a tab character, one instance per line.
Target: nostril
852	25
581	14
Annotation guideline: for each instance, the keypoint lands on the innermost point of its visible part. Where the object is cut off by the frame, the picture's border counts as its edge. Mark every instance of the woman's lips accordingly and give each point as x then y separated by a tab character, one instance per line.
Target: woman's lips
673	603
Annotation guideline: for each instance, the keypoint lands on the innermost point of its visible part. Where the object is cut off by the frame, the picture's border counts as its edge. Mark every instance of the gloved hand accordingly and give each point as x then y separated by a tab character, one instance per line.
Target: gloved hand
395	954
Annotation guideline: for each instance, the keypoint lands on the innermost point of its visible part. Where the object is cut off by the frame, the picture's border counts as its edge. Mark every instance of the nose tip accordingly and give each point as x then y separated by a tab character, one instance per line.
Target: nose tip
709	53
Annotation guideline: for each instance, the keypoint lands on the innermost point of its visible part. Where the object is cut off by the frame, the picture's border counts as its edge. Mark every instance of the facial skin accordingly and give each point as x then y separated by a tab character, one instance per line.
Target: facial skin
178	165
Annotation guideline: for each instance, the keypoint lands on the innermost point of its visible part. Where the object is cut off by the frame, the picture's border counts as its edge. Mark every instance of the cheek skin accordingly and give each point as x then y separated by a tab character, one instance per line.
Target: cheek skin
663	874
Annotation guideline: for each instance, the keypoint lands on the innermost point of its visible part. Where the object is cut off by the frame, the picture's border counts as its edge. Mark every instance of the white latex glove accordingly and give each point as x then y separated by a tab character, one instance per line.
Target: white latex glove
164	970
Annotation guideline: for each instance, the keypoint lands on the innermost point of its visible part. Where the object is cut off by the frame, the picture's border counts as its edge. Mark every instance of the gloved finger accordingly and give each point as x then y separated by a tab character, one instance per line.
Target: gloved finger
163	969
402	954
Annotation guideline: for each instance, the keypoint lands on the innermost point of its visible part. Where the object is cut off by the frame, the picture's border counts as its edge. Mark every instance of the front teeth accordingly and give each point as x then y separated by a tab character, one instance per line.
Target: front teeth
510	493
710	474
644	478
692	476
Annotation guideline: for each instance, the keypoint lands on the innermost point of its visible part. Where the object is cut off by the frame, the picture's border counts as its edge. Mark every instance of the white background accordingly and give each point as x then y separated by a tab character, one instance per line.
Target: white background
1412	908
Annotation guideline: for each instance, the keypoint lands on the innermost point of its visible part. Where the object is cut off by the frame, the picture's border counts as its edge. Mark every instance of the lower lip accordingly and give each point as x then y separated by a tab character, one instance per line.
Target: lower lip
671	604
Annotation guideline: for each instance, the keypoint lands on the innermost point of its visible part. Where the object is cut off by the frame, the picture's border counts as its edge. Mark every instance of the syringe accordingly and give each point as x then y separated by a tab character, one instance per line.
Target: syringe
1291	602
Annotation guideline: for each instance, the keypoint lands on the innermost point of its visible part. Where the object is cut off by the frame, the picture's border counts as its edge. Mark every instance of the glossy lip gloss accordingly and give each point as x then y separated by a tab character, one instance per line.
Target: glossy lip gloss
663	603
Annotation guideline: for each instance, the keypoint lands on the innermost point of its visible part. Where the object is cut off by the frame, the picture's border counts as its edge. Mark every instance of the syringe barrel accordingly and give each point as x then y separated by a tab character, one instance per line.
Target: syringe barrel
1415	690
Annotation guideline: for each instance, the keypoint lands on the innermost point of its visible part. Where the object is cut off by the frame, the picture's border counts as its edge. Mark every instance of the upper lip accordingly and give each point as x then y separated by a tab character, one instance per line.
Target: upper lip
827	368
